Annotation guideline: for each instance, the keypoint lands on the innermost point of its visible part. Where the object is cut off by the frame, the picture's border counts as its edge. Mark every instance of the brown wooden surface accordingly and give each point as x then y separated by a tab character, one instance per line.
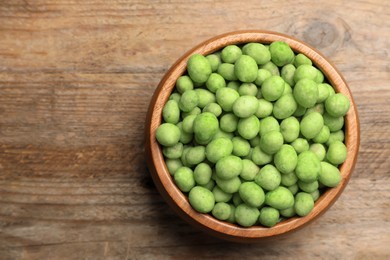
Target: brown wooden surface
76	78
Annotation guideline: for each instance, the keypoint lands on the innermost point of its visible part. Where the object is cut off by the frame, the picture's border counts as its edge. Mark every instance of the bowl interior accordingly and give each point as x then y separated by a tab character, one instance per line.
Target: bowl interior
179	202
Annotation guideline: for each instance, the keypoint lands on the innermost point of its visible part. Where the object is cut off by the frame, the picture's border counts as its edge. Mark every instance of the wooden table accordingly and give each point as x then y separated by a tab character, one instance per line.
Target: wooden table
76	78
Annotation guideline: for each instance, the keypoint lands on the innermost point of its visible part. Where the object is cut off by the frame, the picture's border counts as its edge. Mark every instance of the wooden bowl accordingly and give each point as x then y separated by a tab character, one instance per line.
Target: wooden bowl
179	202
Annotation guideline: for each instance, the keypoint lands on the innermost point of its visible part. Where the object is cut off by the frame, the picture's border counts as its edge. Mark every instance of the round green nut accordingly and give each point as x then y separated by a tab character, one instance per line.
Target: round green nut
246	216
272	88
334	123
226	97
337	105
199	68
289	179
205	126
188	124
269	216
230	185
271	67
196	155
306	92
301	59
259	157
214	61
234	85
308	167
268	178
281	53
205	97
268	124
175	96
184	179
168	134
220	195
308	186
228	122
245	106
258	52
262	74
188	100
288	213
231	53
305	71
218	148
226	70
323	92
330	175
249	170
246	68
319	150
337	153
241	147
201	199
286	159
287	74
323	136
228	167
285	106
232	218
311	125
252	194
300	145
215	82
173	152
173	165
171	112
336	136
184	83
248	127
185	137
202	173
265	108
247	89
289	128
280	198
271	142
304	204
221	211
213	108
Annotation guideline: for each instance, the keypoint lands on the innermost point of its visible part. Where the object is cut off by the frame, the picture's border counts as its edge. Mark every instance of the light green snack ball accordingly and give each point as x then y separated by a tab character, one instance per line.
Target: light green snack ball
205	97
201	199
286	159
188	100
269	216
300	145
337	153
229	186
271	67
258	52
259	157
255	141
262	74
301	59
287	89
175	96
304	203
287	73
184	83
196	155
293	188
330	175
188	124
300	111
289	128
268	178
337	105
246	216
205	126
320	77
308	167
241	147
323	136
281	53
315	195
249	170
222	134
199	68
287	213
280	198
246	68
173	165
213	108
214	61
168	134
248	127
228	122
334	123
305	71
285	106
228	167
234	85
308	186
221	211
231	53
185	137
249	156
272	88
306	92
183	156
226	97
218	148
210	185
319	150
220	195
194	111
202	173
311	125
173	152
226	70
245	106
268	124
236	199
271	142
288	179
171	112
264	109
320	108
247	89
184	179
335	136
252	194
323	92
215	82
331	90
232	218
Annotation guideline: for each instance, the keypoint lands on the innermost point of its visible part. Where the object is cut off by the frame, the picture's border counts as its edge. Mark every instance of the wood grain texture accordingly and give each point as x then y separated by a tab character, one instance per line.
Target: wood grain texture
76	78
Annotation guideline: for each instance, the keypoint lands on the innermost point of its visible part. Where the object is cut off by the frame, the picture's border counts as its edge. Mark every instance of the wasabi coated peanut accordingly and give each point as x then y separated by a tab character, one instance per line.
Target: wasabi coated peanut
237	199
300	145
228	167
173	152
305	71
262	74
289	179
252	194
188	100
247	89
289	128
330	175
210	185
306	93
319	150
184	179
228	122
249	170
268	124
287	74
248	127
337	153
226	97
185	137
246	216
168	134
245	106
271	142
230	185
175	96
304	203
286	159
171	112
300	111
230	53
337	105
183	157
308	167
214	61
199	68
202	173
315	195
218	148
205	126
285	106
232	218
215	82
205	97
281	53
301	59
287	213
271	67
320	108
201	199
265	108
308	186
293	188
220	195
280	198
323	92
221	211
287	89
323	136
269	216
246	68
213	108
234	85
268	178
222	134
226	70
195	155
184	83
194	111
334	123
241	147
259	157
335	136
188	124
173	165
258	52
255	141
272	88
311	125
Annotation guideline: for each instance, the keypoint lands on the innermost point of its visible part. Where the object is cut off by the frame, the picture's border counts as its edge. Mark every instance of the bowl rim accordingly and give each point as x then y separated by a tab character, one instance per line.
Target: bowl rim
179	201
